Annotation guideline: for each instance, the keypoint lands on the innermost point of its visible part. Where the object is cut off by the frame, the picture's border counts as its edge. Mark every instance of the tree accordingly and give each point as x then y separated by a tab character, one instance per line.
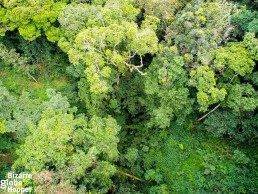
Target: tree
199	28
29	17
70	145
166	94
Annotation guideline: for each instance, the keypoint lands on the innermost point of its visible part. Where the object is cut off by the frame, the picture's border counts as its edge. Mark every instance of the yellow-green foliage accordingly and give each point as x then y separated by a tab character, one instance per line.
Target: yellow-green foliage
204	80
106	37
29	17
60	143
233	58
2	128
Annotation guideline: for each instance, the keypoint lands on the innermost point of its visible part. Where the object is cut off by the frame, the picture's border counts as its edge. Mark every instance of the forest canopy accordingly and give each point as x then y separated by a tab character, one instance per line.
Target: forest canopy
129	96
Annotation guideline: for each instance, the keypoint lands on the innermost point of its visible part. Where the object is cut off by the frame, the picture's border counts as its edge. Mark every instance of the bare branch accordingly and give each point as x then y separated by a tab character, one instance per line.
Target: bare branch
141	62
129	66
215	108
133	67
132	56
32	77
136	68
130	176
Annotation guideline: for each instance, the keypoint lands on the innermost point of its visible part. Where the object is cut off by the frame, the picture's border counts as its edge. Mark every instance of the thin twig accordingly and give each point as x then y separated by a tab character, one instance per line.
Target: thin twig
216	107
131	176
141	62
32	77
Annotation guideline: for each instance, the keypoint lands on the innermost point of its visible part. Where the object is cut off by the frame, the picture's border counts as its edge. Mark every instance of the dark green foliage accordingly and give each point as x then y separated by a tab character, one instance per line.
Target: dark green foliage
251	4
195	164
246	21
34	58
240	126
7	150
166	93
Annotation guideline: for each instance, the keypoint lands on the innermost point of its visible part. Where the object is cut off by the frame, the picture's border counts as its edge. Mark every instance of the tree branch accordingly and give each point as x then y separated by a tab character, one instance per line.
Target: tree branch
131	176
215	108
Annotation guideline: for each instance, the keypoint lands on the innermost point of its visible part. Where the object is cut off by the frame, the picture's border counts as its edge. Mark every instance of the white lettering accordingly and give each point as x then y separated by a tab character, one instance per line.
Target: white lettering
9	175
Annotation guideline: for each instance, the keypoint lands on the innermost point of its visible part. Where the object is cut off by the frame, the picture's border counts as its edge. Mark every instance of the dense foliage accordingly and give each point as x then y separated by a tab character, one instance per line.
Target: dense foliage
130	96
